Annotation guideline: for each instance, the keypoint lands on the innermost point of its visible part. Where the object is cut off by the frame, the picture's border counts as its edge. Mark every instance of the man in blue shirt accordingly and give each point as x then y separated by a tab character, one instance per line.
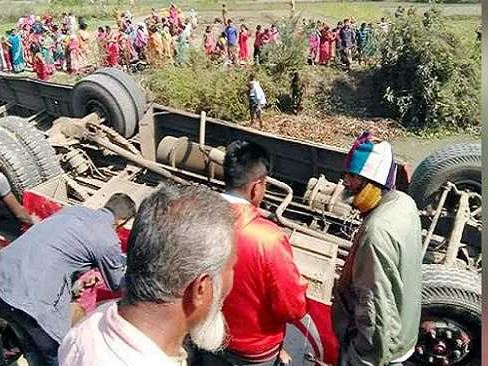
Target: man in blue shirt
38	269
231	35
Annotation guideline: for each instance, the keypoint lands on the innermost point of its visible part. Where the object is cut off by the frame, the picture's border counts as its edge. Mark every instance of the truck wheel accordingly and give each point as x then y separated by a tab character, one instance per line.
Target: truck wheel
459	164
35	143
129	84
450	329
103	95
17	165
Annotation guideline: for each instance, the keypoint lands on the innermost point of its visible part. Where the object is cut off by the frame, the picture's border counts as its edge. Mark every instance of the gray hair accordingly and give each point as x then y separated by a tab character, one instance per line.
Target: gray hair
178	235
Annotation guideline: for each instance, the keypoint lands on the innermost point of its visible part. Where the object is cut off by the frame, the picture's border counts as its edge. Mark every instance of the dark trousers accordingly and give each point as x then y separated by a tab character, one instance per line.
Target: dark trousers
38	347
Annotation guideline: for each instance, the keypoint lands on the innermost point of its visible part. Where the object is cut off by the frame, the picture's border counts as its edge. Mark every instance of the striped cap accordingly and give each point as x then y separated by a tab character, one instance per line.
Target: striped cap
372	161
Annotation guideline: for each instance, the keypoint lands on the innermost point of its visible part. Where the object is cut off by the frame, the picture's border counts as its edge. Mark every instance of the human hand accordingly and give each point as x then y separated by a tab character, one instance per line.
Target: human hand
85	283
284	358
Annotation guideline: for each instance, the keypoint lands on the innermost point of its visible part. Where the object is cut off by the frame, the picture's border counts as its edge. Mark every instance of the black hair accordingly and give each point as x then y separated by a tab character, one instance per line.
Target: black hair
34	48
83	26
245	162
122	206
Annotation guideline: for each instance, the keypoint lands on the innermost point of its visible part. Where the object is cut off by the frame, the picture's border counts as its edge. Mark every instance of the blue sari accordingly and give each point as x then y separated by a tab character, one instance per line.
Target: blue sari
17	53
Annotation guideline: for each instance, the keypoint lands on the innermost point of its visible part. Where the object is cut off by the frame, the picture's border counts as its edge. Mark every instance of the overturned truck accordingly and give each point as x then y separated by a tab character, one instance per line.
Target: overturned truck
63	145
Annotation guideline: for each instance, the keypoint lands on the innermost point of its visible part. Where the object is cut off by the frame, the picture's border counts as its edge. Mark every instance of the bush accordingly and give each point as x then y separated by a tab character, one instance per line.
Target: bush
429	77
290	53
203	86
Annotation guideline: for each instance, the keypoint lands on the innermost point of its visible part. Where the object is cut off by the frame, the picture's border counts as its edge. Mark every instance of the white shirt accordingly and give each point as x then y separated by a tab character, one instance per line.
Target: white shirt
104	338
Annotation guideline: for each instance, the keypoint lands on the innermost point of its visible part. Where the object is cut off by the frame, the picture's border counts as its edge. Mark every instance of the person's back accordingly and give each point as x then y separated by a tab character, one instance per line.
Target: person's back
231	34
269	290
266	295
36	269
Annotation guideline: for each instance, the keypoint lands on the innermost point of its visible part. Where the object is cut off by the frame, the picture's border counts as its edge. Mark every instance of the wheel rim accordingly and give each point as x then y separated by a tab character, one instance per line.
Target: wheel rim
443	342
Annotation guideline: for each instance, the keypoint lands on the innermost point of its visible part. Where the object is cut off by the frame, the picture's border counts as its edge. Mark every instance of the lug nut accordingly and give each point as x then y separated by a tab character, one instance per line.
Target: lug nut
445	362
433	334
420	350
431	359
457	354
448	334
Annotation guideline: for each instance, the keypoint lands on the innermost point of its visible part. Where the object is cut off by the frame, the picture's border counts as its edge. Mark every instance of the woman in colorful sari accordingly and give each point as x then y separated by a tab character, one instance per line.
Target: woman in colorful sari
74	54
183	45
46	49
243	48
102	46
325	41
209	42
16	51
174	14
313	45
140	42
113	49
168	46
155	48
59	53
39	64
85	45
5	50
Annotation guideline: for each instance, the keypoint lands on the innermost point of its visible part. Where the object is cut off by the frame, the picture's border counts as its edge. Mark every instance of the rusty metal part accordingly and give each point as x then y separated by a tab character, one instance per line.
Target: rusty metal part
435	220
181	153
136	159
323	195
463	215
76	160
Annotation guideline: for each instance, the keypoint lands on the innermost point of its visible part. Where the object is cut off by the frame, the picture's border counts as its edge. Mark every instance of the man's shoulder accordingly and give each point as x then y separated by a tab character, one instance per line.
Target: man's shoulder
264	231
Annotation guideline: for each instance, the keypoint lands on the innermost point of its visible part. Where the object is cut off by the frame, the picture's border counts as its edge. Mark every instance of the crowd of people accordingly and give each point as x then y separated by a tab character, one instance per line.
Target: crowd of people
227	279
344	43
47	45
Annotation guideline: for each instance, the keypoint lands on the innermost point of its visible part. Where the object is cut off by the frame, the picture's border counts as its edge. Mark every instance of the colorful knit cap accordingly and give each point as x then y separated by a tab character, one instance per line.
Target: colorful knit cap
372	161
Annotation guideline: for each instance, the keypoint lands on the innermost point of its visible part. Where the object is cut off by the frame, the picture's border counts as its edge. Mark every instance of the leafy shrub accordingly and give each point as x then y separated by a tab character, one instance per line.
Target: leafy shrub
290	53
429	77
203	86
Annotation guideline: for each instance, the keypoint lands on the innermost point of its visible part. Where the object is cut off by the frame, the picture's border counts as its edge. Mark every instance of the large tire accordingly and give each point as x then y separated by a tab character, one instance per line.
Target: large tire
130	86
459	164
35	143
104	95
451	299
17	165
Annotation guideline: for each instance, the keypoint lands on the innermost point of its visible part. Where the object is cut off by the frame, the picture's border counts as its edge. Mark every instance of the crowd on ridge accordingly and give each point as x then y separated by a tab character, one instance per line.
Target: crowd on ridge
46	45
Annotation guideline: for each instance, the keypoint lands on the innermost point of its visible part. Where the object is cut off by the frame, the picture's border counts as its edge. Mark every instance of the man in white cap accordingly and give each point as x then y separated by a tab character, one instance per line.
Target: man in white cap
376	309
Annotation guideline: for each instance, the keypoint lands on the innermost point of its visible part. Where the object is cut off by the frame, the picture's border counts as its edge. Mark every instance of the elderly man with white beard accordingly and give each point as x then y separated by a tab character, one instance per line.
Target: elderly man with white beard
180	263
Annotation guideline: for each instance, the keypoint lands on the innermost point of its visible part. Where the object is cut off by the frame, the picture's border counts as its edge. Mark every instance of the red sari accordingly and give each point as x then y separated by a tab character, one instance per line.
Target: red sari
326	38
113	50
243	49
40	67
209	43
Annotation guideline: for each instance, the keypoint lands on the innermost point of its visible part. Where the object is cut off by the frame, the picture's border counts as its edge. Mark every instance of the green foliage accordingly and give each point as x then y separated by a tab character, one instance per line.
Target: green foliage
219	90
290	53
429	77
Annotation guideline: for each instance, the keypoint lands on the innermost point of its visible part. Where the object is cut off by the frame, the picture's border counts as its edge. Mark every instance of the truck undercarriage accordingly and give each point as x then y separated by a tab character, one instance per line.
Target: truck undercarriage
63	133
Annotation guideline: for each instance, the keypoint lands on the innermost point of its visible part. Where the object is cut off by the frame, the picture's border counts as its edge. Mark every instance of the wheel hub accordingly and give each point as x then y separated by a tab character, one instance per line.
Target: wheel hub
442	343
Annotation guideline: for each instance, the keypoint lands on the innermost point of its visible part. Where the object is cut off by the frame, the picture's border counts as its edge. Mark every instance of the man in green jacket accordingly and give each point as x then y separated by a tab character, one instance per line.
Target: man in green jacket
376	309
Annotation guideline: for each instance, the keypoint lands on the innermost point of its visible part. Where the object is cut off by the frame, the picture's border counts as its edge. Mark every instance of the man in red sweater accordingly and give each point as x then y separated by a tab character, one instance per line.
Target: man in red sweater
268	291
